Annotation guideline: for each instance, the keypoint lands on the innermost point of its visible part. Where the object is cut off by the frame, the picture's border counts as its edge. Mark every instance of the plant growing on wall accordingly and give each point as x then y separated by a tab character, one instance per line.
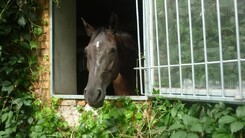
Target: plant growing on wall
17	65
21	115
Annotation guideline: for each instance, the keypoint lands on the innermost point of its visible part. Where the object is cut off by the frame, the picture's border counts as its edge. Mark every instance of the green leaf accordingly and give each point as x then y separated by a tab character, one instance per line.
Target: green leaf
221	135
196	127
27	102
2	133
38	30
30	120
138	115
221	105
240	111
174	112
128	114
194	110
6	83
179	134
43	136
155	91
8	86
176	126
188	120
167	119
226	119
41	121
22	21
4	117
10	114
236	126
39	128
18	102
33	44
192	135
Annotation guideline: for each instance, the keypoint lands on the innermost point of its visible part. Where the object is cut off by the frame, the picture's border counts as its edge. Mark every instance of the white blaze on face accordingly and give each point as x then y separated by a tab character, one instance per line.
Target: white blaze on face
98	48
98	45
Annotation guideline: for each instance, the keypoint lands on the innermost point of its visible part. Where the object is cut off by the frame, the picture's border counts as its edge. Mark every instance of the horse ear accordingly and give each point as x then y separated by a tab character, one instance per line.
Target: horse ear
89	29
113	22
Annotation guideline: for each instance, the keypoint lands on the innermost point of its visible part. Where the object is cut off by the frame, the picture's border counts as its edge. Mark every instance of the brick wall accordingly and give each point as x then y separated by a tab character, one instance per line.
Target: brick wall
42	86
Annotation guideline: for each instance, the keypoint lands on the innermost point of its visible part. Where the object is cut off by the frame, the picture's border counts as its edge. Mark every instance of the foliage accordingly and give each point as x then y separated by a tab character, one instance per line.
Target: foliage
162	118
47	122
120	118
17	62
21	115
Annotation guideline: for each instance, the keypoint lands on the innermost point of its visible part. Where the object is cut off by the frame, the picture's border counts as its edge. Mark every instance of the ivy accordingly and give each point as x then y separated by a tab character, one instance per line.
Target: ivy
15	74
22	115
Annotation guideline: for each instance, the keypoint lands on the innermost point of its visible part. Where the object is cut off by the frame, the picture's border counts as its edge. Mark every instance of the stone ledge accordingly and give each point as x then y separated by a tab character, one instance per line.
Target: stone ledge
68	103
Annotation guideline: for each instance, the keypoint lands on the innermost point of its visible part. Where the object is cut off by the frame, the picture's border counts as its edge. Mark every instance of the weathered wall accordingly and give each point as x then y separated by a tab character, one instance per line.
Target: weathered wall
68	110
42	86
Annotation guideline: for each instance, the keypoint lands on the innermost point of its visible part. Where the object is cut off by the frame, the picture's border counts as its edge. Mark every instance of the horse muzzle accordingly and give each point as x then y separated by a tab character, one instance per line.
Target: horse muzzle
94	96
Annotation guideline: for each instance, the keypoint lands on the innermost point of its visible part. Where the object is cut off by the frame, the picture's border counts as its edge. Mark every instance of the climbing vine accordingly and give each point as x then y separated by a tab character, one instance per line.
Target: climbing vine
21	114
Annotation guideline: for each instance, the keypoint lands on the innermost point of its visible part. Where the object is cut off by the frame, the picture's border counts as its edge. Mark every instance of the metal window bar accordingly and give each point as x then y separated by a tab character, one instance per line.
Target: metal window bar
205	46
189	64
149	73
191	47
238	50
179	44
157	44
147	53
206	93
167	43
139	46
220	48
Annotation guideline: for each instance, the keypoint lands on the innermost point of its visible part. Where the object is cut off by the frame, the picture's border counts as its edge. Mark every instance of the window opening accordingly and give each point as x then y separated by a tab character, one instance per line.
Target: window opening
69	73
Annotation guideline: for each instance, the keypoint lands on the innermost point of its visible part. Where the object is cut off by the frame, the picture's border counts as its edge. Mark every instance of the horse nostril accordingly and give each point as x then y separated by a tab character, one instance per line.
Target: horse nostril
99	94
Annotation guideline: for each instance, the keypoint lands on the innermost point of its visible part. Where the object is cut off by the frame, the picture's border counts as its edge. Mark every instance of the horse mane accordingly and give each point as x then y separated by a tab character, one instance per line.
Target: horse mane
127	40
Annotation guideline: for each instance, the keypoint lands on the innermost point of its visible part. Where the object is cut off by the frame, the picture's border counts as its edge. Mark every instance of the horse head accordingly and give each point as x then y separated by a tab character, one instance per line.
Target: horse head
102	63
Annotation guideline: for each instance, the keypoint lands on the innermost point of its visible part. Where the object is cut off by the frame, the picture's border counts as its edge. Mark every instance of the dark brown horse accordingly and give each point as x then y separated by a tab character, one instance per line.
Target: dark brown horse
111	57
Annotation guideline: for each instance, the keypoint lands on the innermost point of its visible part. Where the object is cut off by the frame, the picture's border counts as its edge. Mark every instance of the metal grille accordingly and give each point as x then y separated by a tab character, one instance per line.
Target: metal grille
193	49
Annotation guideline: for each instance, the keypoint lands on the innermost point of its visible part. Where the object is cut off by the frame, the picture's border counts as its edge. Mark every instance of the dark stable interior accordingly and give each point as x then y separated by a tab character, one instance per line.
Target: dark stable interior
97	14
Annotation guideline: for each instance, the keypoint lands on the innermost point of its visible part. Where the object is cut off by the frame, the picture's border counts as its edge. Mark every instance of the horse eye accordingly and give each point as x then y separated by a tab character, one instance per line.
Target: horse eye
113	50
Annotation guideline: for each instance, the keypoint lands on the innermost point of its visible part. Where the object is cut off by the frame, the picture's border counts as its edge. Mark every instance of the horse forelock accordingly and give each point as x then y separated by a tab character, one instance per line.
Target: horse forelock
97	33
123	39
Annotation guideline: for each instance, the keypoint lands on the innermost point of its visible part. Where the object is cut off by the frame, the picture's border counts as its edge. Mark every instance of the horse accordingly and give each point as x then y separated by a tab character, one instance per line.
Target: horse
111	58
